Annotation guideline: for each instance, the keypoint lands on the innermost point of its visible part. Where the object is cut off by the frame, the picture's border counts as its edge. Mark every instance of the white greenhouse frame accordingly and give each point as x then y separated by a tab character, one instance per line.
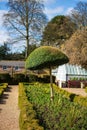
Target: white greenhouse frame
68	72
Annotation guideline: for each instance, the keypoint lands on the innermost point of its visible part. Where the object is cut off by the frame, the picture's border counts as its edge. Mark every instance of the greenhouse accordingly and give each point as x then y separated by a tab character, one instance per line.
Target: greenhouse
67	72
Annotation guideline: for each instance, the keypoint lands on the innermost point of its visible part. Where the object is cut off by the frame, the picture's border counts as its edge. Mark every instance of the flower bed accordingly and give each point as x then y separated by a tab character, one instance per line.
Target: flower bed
27	119
58	115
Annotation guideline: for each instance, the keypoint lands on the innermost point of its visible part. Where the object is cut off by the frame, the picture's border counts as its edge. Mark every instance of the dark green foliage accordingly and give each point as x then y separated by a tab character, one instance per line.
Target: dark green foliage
44	79
59	29
20	55
60	115
58	19
20	78
33	78
4	49
5	77
44	57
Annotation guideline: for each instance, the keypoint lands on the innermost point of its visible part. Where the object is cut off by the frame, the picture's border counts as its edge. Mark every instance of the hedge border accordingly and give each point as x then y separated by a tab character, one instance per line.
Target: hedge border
72	97
27	118
3	87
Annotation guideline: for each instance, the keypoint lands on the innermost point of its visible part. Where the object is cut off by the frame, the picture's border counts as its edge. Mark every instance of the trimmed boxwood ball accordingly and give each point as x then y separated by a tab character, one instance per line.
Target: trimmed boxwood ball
44	57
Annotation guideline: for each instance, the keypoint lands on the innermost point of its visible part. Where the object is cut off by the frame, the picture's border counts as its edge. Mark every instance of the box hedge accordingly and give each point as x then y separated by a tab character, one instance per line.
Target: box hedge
72	97
27	119
3	87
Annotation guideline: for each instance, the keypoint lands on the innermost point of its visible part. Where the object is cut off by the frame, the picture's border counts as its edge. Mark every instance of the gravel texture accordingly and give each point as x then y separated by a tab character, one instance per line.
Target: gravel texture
9	111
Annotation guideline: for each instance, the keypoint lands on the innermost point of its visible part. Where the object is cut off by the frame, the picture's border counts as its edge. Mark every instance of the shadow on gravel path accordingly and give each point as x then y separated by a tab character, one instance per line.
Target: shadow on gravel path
9	111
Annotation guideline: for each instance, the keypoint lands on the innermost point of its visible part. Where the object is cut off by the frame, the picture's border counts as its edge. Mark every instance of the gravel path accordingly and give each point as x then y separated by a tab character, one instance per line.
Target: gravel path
78	91
9	111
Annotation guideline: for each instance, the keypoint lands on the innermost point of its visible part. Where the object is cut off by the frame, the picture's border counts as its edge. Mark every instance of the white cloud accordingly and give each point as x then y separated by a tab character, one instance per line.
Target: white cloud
3	34
53	12
2	12
68	11
49	1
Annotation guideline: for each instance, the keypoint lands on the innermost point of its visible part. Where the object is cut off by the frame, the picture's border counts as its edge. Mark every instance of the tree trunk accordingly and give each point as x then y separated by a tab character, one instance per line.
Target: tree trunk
27	47
51	85
27	30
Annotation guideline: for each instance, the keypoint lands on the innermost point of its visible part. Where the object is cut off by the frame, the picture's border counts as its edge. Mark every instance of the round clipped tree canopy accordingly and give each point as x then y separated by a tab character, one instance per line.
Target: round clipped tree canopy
44	57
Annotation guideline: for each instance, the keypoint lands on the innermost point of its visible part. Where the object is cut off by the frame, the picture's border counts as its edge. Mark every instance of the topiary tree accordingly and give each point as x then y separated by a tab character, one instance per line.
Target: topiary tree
46	57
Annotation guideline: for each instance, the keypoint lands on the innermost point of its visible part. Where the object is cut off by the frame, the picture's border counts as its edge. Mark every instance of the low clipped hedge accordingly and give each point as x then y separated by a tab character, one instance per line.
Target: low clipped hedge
72	97
81	100
6	78
3	87
86	89
27	119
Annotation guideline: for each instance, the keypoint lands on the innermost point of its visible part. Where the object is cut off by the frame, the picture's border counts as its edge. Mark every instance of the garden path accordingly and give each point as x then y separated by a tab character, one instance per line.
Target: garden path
78	91
9	111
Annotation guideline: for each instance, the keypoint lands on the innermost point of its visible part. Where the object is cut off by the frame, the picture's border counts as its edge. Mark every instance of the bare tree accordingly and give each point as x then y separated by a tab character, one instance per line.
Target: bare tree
25	20
76	48
79	14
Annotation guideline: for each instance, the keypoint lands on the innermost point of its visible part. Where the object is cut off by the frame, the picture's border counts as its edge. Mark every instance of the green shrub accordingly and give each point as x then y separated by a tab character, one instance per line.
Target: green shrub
44	57
3	88
27	119
44	79
61	114
81	100
86	89
5	77
19	78
33	78
72	97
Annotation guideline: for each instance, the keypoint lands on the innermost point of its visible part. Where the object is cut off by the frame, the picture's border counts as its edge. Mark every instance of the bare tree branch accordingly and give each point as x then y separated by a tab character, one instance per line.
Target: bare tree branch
25	18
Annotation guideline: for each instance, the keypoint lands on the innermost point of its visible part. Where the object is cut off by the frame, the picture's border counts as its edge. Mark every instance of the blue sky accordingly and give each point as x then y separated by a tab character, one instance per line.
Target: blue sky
59	7
52	8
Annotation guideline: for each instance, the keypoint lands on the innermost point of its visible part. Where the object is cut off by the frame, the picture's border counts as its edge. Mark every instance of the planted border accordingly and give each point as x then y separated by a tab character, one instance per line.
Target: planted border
61	114
3	87
27	119
72	97
86	89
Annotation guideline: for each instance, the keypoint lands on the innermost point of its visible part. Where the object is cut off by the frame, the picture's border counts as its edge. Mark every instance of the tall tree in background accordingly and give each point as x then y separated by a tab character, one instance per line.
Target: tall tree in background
4	50
59	29
76	48
79	14
25	20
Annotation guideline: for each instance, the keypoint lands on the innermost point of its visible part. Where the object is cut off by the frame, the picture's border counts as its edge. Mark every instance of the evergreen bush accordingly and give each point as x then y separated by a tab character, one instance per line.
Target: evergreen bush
27	119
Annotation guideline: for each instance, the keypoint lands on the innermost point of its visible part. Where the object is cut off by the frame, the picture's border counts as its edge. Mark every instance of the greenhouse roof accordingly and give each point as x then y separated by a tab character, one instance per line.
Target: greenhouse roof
74	69
70	70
